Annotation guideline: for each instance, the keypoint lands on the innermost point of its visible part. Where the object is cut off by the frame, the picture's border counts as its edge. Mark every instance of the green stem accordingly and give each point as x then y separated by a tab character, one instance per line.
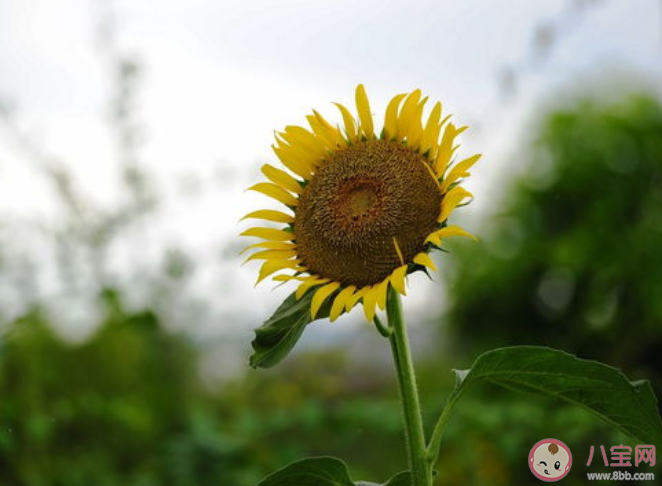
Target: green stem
404	367
381	328
435	440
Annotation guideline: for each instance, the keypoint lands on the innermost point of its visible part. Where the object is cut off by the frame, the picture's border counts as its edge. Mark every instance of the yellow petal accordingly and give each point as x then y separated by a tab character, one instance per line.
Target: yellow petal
446	232
320	296
432	127
436	147
432	173
407	113
272	266
324	134
398	279
332	132
282	178
446	147
391	116
271	255
340	302
293	161
397	250
460	170
271	245
416	126
382	289
301	137
369	302
443	154
352	301
434	239
363	108
298	148
425	260
451	200
297	145
348	120
276	192
286	278
270	215
311	282
269	234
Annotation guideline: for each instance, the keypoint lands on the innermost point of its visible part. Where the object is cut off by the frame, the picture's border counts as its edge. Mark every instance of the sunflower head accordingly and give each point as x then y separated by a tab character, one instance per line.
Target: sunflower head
363	210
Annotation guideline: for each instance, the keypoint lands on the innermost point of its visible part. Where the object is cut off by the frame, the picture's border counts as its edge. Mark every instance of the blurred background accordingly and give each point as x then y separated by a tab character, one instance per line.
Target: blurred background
128	133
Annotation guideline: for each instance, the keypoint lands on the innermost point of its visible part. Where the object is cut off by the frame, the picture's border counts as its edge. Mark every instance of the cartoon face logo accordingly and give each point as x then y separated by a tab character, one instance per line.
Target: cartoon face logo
550	460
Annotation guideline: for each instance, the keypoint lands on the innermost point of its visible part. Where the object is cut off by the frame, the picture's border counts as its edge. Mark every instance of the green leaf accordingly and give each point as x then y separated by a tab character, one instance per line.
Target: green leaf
312	471
602	390
324	471
400	479
277	336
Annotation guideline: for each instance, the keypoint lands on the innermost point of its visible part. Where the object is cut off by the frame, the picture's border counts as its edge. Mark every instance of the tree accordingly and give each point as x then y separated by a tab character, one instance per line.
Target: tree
572	260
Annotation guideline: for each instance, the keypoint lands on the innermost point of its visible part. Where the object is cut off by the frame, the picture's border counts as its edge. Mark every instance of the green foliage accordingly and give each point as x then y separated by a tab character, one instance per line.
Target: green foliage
570	259
279	334
65	404
324	471
128	407
401	479
313	471
602	390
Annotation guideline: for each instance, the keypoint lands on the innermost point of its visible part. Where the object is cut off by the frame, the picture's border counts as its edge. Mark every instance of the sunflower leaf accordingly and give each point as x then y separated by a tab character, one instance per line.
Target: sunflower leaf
400	479
324	471
312	471
602	390
277	336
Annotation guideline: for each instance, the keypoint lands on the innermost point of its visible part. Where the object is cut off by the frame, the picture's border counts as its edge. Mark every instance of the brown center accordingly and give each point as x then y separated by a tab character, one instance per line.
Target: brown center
360	199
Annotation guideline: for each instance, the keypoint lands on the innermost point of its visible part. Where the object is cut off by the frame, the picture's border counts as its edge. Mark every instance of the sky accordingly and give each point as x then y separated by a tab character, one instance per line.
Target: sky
219	76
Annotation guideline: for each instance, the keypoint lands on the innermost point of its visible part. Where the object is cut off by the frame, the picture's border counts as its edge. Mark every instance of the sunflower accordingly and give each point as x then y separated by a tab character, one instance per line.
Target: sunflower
364	210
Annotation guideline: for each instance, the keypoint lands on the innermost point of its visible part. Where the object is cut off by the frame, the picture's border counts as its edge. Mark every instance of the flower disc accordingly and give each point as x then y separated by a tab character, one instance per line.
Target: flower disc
363	200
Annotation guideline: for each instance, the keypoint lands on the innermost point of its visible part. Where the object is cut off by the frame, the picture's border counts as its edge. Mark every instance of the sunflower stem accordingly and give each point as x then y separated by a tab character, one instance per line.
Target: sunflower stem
404	368
435	441
382	328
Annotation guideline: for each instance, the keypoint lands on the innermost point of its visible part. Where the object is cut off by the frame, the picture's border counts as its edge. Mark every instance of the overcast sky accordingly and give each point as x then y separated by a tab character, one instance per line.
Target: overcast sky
220	76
